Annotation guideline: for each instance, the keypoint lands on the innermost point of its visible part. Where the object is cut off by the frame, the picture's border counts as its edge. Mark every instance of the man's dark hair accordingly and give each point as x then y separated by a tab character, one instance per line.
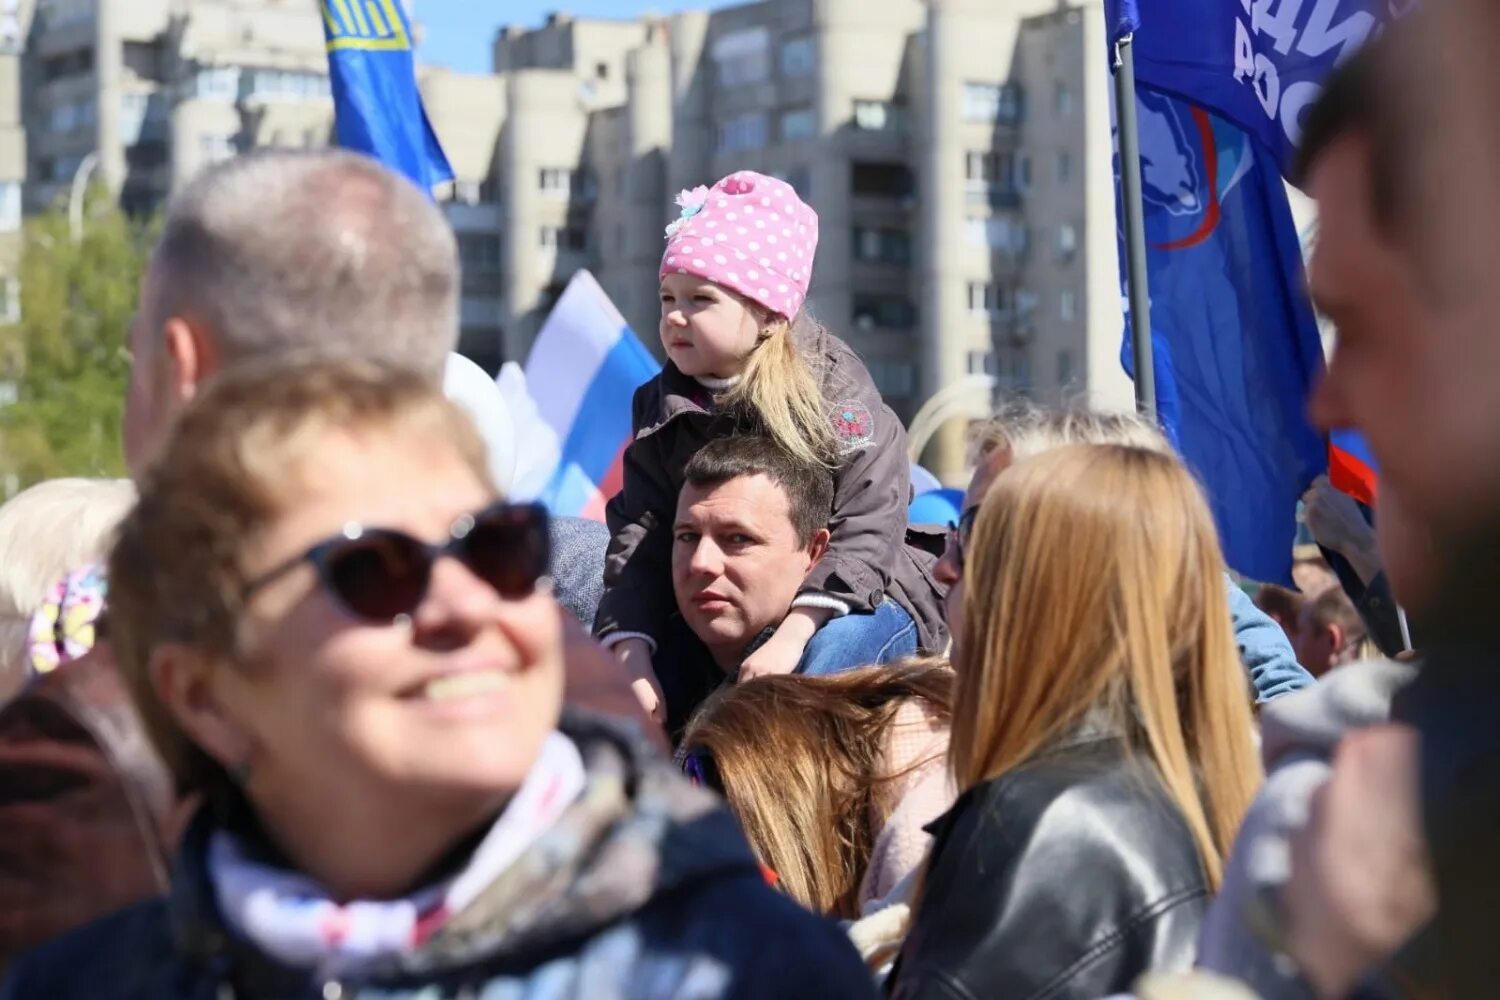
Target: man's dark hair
1352	102
808	488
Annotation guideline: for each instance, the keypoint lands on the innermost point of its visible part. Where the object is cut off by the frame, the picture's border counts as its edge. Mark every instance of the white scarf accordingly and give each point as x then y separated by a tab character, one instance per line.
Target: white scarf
292	919
717	384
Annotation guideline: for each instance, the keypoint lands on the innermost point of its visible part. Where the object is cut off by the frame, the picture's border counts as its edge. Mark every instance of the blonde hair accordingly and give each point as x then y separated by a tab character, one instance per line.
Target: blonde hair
799	761
780	387
1024	430
46	532
238	457
1095	585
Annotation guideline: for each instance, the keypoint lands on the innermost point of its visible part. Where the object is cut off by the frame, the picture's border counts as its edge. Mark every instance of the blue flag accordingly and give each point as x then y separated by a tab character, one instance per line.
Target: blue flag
1259	63
377	107
1236	342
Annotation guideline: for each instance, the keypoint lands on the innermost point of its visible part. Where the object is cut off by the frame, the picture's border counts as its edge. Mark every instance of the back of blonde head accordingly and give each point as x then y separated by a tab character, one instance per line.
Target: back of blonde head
1095	585
1024	430
46	532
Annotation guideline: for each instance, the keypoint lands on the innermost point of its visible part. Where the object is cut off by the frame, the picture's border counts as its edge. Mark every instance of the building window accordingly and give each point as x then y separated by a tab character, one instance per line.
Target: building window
800	123
996	232
144	60
800	178
148	154
601	71
992	102
983	363
1067	241
799	56
286	85
1023	173
881	180
217	83
214	147
1063	100
1064	166
986	298
886	246
989	169
1019	374
60	12
10	206
742	133
893	378
1064	367
893	312
65	167
479	251
71	116
743	57
65	64
1067	306
563	238
10	300
556	182
879	116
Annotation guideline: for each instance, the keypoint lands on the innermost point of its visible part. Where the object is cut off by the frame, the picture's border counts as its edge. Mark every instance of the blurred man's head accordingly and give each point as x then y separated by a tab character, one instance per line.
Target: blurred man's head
281	253
1329	632
1385	376
751	522
1282	606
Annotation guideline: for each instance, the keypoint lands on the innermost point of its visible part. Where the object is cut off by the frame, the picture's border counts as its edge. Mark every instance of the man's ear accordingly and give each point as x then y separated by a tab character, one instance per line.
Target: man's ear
1336	638
187	682
192	355
817	548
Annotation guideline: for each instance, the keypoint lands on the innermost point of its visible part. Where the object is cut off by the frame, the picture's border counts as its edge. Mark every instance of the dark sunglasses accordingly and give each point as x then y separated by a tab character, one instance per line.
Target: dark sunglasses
959	533
379	574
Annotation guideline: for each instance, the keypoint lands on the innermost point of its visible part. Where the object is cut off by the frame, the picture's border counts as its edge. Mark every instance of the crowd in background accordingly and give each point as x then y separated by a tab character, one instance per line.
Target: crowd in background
310	707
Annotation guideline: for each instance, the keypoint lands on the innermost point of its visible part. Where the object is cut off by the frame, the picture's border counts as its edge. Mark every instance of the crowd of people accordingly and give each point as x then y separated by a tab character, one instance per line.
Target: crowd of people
312	707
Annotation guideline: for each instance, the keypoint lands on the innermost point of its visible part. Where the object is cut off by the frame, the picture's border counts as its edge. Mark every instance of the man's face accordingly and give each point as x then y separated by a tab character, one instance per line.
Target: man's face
737	562
1316	647
1387	375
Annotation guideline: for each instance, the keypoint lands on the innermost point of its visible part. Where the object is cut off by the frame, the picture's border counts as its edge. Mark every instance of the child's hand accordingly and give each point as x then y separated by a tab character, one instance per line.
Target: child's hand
635	656
778	656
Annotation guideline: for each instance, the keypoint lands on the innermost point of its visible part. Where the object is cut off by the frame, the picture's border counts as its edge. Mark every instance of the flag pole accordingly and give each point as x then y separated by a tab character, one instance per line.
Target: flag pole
1135	229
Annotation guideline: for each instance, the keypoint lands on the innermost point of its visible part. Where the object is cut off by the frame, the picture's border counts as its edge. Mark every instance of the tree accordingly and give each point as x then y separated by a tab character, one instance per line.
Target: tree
68	359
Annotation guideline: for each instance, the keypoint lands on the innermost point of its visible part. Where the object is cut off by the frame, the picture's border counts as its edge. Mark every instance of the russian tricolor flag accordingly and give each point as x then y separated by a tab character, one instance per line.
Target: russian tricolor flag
1351	466
582	372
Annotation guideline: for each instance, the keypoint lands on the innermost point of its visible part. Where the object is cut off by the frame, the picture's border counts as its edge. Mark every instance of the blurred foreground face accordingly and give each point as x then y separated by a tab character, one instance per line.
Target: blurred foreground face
1385	370
449	709
1423	387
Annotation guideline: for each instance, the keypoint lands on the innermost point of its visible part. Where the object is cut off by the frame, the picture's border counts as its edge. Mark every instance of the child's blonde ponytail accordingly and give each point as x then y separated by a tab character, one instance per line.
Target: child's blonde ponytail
781	388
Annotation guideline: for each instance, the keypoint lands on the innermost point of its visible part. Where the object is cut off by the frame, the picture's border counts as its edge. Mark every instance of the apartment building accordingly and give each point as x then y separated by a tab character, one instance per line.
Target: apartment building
957	152
12	159
143	94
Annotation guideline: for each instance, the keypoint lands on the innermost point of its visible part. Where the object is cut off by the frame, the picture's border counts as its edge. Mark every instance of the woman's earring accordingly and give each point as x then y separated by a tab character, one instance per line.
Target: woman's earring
240	773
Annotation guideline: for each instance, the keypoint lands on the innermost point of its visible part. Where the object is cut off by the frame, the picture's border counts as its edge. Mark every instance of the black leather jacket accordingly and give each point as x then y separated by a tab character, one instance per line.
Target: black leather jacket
1067	877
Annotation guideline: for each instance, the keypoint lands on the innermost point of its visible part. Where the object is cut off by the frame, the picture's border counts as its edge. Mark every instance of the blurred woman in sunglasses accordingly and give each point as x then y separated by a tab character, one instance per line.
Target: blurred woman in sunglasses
338	636
1101	736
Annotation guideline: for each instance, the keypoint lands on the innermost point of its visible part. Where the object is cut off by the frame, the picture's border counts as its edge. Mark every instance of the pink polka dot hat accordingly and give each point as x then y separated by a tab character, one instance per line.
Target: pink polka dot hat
749	233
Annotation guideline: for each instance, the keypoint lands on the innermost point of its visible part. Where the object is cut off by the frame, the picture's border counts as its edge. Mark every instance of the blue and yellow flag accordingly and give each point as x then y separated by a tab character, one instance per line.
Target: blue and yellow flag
377	107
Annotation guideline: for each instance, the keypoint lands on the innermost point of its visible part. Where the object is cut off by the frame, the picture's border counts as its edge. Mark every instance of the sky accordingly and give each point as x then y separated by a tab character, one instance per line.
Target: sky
459	34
